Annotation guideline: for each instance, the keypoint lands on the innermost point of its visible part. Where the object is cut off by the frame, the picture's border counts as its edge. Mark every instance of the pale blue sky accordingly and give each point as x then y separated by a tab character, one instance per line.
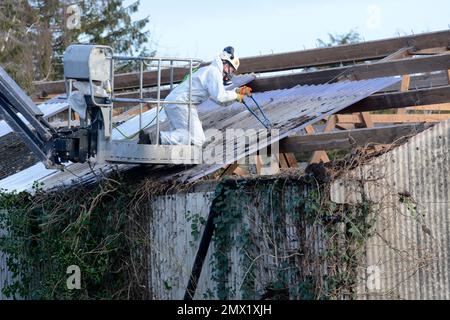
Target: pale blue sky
201	29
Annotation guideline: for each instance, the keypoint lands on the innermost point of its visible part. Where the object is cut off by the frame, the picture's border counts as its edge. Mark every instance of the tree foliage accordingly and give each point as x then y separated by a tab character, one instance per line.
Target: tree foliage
35	33
352	36
15	54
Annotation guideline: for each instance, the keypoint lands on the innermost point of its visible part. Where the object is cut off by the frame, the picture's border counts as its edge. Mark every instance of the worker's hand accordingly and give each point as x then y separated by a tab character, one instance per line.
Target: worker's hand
245	91
240	98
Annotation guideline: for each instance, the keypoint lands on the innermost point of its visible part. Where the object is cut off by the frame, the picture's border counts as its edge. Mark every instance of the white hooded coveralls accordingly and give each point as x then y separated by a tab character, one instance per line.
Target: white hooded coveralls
207	82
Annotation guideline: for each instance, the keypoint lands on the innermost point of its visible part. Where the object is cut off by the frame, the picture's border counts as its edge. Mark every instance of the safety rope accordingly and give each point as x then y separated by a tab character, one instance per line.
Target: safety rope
194	70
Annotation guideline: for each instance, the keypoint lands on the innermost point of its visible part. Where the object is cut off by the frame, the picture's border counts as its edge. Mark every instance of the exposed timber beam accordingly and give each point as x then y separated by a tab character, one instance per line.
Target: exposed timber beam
121	81
400	54
417	82
394	118
349	139
359	72
381	101
406	82
320	155
429	51
432	107
420	81
235	169
371	50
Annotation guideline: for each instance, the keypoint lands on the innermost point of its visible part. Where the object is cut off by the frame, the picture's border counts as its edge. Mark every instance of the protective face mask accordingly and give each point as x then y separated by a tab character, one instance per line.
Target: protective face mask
227	79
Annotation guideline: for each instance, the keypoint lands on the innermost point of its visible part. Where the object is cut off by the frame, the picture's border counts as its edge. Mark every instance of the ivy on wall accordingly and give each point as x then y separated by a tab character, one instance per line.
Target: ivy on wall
99	229
290	240
293	241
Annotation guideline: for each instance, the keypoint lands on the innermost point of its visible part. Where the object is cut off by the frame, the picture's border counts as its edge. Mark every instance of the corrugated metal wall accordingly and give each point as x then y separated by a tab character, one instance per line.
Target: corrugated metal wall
408	257
278	242
173	246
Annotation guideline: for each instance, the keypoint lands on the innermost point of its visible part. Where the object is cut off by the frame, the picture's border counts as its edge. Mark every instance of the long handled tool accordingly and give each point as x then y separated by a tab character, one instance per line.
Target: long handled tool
265	121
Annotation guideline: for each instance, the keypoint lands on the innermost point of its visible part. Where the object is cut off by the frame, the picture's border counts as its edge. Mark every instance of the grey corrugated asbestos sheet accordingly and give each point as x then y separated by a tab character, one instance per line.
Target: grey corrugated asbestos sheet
289	110
408	257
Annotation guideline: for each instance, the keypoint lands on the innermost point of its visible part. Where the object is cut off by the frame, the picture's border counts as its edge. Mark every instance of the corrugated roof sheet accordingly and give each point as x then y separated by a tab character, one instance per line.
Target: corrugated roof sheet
289	110
409	255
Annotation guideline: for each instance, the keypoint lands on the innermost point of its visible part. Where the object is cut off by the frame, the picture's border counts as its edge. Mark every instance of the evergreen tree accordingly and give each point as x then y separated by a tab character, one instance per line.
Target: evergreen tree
16	56
35	33
352	36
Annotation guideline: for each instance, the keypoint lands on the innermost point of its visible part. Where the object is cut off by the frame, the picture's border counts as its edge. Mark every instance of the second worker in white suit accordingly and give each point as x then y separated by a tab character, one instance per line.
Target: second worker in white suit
207	82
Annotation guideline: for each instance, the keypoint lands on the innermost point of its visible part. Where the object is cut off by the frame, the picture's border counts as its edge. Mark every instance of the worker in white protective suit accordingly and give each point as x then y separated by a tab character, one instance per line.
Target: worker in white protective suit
207	82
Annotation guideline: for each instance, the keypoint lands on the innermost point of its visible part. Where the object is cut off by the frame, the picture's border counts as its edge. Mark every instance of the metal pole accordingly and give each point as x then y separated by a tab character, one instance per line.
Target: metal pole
158	105
112	66
190	102
121	58
171	75
69	117
141	85
144	101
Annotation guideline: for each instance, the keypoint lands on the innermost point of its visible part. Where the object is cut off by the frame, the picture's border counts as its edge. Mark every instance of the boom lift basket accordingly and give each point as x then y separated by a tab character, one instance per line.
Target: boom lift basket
90	68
